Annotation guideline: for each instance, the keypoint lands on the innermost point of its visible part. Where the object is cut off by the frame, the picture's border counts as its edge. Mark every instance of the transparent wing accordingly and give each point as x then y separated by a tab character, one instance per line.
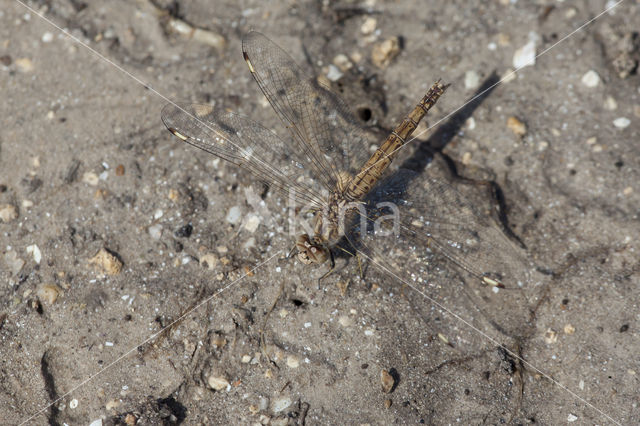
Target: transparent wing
245	143
427	223
325	131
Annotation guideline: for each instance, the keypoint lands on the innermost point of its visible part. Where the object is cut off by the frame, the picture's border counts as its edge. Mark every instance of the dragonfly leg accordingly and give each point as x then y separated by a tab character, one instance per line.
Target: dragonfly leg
360	266
291	252
333	267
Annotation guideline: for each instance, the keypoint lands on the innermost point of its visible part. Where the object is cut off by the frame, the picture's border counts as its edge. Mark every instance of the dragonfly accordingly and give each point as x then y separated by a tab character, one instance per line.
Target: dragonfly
358	203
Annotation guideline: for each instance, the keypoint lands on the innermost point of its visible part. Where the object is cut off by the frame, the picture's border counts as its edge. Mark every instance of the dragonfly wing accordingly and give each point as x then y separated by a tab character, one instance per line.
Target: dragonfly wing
325	131
433	214
423	223
245	143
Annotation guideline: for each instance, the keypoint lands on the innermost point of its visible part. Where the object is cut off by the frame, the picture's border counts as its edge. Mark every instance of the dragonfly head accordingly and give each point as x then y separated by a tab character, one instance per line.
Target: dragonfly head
311	249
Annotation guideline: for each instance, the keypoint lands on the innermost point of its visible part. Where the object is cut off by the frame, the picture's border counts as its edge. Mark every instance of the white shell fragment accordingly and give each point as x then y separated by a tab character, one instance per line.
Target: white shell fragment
591	79
471	79
8	213
35	251
234	215
621	122
525	56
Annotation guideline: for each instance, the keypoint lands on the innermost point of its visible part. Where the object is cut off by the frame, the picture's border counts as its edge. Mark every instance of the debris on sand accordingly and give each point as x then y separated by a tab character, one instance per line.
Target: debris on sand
107	262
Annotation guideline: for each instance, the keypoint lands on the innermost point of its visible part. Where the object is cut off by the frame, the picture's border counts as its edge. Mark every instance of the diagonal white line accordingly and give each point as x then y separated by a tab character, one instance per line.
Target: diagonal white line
486	336
153	336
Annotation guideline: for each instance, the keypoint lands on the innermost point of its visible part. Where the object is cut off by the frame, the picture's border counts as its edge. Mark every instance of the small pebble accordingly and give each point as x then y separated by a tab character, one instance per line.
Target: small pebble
525	56
8	212
624	64
516	126
14	263
97	422
90	178
368	26
107	262
234	215
49	293
158	214
27	203
627	191
356	57
387	381
572	418
591	79
383	53
209	261
387	403
47	37
569	329
610	104
281	404
35	251
471	79
444	339
621	122
471	123
581	384
246	359
333	73
24	64
217	382
550	336
252	223
174	194
73	403
112	404
155	231
342	62
119	170
293	362
345	321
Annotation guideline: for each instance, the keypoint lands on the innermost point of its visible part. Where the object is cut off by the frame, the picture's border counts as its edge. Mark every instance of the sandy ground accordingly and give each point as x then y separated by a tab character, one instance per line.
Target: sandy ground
87	168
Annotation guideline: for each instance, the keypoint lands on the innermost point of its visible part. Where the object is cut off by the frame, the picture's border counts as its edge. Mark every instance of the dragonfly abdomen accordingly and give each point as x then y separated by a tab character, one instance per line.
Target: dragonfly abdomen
366	178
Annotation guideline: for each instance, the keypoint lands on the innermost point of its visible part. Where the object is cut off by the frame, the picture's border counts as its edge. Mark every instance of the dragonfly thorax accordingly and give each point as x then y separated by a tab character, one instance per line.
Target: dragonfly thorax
327	229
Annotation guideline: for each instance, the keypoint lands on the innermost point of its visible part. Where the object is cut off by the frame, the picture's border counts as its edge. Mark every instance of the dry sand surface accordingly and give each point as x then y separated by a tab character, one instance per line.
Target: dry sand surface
112	229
